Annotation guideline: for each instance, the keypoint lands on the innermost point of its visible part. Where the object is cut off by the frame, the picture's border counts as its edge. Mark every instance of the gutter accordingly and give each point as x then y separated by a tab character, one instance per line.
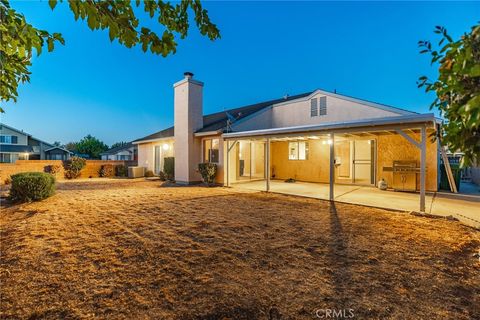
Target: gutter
152	140
207	133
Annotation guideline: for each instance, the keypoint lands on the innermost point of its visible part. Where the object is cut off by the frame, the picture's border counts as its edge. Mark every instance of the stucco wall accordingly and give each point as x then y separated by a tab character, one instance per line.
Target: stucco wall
297	113
146	152
188	118
395	147
314	169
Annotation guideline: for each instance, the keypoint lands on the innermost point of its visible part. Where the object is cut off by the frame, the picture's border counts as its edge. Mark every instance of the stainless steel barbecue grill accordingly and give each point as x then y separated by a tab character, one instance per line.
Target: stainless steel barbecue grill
405	175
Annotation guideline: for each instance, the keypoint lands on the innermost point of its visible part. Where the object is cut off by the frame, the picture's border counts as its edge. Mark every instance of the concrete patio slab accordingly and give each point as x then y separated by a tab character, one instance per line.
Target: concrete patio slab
465	210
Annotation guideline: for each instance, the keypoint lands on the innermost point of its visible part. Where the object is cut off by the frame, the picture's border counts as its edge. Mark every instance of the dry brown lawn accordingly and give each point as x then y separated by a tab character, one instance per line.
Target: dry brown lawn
121	249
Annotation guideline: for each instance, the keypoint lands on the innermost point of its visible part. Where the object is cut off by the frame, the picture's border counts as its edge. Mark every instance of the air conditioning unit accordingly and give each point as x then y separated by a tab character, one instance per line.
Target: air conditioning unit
136	172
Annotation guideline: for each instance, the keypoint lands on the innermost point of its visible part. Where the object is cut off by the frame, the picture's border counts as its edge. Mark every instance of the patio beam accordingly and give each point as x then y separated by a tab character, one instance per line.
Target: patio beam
332	167
410	139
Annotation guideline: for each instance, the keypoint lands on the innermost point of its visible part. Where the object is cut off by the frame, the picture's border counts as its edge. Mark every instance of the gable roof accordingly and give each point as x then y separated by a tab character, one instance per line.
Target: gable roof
218	121
118	149
368	103
60	148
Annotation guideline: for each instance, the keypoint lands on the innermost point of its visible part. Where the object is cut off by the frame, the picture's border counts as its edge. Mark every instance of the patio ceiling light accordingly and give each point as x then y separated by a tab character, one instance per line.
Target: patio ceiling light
166	147
329	141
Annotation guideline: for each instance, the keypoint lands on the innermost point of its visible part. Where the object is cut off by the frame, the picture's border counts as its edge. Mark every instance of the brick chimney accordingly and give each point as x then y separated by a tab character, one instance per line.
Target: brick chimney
188	118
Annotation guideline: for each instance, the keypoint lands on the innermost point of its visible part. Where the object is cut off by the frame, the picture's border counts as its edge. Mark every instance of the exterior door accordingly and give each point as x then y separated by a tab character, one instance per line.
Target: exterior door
363	162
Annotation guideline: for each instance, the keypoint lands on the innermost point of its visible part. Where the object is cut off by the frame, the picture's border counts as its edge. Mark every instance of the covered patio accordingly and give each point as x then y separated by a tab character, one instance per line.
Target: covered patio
440	204
338	161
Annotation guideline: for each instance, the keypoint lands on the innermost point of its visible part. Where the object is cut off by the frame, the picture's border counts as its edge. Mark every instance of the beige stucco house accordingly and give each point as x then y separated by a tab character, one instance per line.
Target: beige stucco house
316	136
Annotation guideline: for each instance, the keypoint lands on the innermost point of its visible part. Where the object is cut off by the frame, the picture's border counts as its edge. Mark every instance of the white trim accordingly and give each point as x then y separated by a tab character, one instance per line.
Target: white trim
176	84
58	148
207	133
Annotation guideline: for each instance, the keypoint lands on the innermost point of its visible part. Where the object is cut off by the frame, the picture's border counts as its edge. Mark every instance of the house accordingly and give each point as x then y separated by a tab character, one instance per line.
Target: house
58	153
18	145
317	136
127	151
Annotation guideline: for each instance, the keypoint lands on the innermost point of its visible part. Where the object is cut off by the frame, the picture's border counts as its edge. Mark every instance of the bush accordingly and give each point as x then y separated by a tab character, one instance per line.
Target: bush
162	176
121	170
208	172
169	168
32	186
149	174
73	167
107	170
52	169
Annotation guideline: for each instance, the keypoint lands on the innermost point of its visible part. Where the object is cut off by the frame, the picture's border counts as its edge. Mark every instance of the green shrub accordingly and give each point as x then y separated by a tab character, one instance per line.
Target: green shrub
73	167
149	174
52	169
32	186
107	170
208	172
169	168
121	170
162	176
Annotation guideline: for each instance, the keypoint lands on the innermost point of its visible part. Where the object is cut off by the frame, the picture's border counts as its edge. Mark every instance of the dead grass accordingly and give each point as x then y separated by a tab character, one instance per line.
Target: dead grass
121	249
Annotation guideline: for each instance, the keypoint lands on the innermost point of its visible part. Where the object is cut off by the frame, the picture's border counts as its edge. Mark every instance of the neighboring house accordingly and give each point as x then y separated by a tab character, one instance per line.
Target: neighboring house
125	152
57	153
18	145
316	136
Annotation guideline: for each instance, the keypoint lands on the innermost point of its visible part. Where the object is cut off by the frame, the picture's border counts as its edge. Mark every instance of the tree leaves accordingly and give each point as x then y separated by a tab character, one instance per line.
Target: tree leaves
457	90
19	38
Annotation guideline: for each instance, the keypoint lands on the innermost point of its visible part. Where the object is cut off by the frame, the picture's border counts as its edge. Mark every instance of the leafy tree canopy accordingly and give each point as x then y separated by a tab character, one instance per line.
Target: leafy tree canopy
19	38
457	90
57	144
118	144
91	146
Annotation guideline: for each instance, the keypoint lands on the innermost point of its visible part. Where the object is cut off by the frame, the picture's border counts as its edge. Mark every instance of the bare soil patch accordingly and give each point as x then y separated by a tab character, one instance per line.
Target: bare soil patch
123	249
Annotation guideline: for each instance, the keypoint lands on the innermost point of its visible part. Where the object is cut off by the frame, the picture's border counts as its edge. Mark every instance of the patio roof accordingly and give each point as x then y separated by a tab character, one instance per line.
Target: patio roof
374	125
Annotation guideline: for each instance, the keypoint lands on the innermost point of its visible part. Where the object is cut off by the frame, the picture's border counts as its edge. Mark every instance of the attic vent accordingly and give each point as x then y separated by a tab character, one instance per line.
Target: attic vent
323	106
313	107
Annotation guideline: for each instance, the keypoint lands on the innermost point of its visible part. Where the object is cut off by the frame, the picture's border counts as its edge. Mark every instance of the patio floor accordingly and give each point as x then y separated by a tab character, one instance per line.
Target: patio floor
465	210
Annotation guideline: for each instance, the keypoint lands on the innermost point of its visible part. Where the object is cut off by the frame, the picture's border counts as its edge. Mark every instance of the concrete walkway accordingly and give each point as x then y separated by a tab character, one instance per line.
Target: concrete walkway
467	209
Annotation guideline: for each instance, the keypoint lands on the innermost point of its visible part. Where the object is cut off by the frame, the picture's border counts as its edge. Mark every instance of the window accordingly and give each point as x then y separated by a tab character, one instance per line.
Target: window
313	108
8	139
210	150
298	150
323	106
5	157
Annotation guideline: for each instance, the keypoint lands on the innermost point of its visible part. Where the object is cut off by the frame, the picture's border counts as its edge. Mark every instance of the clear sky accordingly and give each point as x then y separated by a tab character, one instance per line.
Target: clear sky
268	49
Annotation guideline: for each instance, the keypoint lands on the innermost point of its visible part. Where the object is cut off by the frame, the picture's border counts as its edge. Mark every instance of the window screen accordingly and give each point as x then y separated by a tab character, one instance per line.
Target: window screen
323	106
313	108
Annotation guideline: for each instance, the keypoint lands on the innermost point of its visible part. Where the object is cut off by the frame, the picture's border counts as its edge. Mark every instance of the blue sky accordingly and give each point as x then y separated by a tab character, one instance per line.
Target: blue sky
268	49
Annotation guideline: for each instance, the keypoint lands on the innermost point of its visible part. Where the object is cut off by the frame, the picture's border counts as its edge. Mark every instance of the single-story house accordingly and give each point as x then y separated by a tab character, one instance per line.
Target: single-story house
58	153
127	151
16	145
316	136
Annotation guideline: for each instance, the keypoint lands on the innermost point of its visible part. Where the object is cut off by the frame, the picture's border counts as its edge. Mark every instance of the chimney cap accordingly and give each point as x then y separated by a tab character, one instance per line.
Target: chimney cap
188	74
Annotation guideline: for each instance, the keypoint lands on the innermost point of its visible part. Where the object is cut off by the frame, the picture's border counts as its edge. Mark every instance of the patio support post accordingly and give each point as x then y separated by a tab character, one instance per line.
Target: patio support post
423	160
228	166
332	167
267	164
